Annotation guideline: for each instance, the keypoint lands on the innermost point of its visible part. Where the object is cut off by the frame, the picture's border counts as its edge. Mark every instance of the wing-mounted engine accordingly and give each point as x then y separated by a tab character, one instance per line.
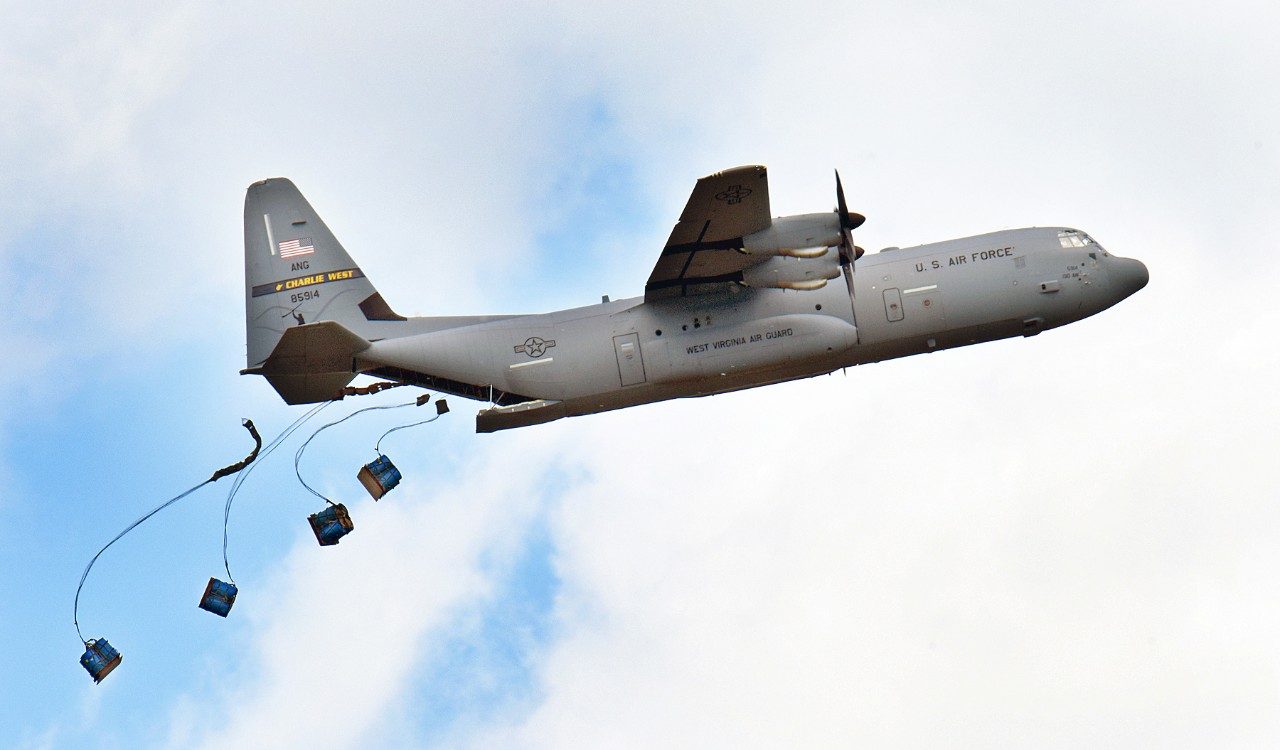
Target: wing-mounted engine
726	238
792	272
803	236
793	252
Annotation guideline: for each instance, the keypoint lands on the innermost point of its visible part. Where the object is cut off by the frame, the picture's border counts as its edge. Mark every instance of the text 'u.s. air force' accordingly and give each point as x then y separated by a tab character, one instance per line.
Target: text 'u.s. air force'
964	258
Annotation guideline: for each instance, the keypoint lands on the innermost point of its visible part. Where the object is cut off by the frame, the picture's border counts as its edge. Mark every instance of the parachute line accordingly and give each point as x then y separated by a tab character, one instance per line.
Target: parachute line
377	447
76	610
240	480
226	471
297	457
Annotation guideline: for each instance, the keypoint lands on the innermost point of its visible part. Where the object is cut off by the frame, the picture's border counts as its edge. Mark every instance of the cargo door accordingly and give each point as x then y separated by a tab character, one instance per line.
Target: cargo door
630	363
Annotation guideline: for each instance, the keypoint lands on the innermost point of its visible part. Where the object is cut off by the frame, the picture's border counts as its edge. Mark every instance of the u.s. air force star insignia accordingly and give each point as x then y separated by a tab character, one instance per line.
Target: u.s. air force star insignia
534	346
733	194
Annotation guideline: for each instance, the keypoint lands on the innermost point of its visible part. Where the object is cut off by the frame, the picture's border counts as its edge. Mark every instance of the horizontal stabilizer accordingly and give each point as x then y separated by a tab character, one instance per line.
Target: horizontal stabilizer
312	362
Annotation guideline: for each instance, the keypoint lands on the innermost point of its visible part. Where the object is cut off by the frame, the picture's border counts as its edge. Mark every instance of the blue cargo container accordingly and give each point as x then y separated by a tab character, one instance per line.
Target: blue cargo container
99	658
331	524
218	597
379	477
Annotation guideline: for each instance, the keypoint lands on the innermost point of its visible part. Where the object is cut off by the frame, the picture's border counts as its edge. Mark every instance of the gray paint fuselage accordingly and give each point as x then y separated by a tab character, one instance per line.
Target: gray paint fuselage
906	301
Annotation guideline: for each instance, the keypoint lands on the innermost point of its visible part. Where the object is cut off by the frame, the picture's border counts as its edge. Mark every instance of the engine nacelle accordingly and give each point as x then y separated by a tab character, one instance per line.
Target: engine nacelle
781	272
803	236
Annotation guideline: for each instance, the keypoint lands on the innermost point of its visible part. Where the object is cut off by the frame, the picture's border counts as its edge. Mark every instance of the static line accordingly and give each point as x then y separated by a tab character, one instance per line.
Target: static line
377	447
929	288
242	476
297	457
271	238
75	616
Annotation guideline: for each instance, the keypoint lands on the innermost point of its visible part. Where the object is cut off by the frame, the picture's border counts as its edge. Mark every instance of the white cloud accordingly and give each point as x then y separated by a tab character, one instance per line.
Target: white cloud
1062	541
994	547
339	634
76	110
46	740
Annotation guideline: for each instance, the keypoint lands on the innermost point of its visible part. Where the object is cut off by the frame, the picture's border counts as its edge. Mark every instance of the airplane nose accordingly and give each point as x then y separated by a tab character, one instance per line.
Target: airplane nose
1129	275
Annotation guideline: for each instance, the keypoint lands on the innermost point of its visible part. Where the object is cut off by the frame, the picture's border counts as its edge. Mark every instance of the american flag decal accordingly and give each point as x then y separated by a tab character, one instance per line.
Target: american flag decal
294	248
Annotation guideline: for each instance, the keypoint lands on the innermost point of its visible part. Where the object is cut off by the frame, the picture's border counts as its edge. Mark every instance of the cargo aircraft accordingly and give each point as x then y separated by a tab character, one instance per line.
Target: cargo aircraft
738	298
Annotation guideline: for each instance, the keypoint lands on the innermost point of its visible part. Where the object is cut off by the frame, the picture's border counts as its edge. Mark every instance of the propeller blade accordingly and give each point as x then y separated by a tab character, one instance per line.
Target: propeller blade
848	254
848	219
842	208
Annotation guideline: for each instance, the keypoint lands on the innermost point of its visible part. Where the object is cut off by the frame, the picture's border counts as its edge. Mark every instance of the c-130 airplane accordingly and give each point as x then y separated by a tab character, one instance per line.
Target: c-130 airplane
737	299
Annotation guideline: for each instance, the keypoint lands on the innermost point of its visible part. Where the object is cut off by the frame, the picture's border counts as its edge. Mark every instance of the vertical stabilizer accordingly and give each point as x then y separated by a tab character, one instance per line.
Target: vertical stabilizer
296	271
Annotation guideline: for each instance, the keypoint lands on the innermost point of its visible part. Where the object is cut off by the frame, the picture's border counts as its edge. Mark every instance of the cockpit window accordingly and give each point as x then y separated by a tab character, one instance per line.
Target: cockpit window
1072	238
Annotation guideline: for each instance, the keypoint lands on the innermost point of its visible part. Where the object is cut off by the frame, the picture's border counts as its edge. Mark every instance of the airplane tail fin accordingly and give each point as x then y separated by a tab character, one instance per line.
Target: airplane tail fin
298	275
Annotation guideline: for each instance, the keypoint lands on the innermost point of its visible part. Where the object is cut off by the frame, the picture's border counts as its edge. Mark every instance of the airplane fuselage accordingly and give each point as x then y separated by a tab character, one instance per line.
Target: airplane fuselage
737	298
536	368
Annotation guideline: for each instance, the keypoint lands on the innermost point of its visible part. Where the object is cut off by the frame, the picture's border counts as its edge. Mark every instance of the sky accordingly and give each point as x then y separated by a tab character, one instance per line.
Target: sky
1062	541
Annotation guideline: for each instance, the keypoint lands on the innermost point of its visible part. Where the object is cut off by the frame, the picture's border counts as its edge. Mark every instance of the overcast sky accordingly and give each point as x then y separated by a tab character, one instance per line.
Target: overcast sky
1069	540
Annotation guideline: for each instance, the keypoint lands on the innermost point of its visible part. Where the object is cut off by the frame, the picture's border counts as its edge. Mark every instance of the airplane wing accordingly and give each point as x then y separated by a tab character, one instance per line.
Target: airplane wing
702	255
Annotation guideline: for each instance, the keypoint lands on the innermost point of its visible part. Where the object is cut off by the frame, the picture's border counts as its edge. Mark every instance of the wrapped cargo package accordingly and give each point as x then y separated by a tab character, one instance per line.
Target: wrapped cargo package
331	524
218	597
99	658
379	476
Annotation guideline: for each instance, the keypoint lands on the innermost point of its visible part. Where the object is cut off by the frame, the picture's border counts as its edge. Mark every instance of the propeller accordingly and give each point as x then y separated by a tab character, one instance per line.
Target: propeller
849	221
